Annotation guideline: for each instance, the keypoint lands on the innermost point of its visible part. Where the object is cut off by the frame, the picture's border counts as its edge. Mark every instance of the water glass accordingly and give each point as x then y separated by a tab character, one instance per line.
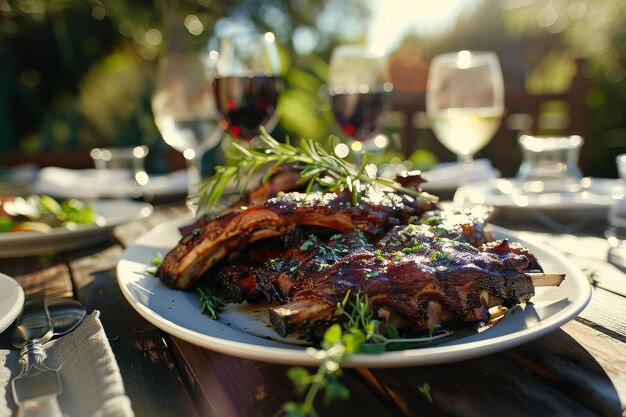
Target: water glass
616	232
123	161
550	163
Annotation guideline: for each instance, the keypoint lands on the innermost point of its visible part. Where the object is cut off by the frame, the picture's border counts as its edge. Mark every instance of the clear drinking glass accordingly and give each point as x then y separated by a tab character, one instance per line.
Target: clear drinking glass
122	163
247	84
550	163
465	102
358	88
184	108
616	231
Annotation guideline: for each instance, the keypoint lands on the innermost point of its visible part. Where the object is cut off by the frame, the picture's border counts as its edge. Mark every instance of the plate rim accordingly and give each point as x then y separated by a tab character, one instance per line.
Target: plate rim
292	355
588	204
28	241
7	317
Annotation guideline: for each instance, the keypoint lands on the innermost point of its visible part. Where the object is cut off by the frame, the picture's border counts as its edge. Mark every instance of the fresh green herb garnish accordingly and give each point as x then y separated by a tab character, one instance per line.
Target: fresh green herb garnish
326	378
592	276
210	304
319	166
439	256
425	389
154	264
309	243
359	333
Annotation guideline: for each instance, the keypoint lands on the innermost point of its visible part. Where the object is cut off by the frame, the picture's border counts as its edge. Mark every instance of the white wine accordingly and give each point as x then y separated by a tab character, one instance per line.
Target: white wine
187	131
464	131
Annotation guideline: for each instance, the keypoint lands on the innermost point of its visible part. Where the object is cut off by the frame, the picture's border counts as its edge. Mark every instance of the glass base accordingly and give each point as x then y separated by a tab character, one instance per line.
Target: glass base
617	252
617	257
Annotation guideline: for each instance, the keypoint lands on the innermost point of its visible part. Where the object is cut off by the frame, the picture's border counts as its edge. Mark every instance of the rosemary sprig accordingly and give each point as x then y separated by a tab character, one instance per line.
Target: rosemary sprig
359	334
318	165
210	304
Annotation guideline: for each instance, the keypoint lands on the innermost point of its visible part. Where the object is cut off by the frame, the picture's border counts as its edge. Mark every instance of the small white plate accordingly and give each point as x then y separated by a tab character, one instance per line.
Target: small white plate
111	213
585	202
11	300
589	194
243	330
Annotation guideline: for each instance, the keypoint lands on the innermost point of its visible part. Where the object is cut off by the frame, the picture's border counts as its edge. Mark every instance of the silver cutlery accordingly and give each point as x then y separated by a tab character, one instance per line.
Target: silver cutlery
36	388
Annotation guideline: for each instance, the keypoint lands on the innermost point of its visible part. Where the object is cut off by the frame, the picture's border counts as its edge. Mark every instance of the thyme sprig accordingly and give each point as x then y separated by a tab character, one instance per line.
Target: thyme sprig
358	334
210	304
319	168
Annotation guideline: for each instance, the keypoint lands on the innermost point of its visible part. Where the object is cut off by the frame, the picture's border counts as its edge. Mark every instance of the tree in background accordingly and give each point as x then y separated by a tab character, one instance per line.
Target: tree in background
595	31
537	42
78	74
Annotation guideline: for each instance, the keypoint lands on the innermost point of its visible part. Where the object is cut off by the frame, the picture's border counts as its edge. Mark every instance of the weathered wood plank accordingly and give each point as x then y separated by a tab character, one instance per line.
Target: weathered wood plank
150	377
606	309
609	352
554	375
227	386
39	274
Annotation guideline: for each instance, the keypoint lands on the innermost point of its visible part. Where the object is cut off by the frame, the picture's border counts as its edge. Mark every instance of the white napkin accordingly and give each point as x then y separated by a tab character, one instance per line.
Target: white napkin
172	183
84	183
95	183
447	175
91	380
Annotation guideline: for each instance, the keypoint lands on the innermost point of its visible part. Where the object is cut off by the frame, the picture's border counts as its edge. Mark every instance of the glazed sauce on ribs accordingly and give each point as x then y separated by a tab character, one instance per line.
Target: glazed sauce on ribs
417	265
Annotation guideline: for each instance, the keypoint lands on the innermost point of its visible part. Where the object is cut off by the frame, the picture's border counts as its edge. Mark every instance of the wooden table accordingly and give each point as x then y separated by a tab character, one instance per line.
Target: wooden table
579	369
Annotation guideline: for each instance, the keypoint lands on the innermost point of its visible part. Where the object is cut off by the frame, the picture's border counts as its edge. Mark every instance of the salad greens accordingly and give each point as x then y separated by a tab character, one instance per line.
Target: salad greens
41	213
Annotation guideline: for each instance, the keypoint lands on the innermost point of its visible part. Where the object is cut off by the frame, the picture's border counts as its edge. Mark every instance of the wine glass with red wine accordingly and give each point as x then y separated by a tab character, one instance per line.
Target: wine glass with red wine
247	84
358	89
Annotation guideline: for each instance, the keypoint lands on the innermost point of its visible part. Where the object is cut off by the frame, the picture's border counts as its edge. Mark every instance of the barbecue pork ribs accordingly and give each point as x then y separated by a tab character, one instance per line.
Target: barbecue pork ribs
211	241
417	265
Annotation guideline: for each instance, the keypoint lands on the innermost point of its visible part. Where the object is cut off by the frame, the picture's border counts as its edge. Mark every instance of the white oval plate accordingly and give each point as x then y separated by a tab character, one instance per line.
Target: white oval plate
11	300
111	213
242	330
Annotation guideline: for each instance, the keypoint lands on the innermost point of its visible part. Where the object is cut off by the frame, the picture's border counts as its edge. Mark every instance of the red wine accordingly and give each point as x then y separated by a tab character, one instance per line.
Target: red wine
246	102
358	114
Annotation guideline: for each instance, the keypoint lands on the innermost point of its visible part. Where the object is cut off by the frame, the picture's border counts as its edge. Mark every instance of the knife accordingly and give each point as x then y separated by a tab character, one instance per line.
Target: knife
36	388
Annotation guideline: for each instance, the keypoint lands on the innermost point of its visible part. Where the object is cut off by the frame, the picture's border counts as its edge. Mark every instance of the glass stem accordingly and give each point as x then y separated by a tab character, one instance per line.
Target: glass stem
194	175
466	163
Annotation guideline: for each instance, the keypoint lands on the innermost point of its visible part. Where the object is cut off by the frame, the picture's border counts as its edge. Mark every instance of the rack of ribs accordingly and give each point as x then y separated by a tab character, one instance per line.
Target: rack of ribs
418	266
211	241
412	272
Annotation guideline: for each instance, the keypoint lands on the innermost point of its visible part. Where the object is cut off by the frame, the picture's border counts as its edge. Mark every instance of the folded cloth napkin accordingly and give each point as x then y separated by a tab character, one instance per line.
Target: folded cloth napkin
91	380
169	184
84	183
447	175
113	183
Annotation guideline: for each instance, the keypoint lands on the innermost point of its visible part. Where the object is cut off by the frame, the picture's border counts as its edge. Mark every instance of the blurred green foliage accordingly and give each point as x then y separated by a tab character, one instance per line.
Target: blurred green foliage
75	74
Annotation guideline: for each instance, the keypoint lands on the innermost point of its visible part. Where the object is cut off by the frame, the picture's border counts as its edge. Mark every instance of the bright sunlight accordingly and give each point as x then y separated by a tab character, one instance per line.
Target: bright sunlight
392	19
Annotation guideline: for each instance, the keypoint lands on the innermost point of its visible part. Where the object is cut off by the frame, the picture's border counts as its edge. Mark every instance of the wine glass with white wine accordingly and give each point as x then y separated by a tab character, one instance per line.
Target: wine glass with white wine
465	103
184	109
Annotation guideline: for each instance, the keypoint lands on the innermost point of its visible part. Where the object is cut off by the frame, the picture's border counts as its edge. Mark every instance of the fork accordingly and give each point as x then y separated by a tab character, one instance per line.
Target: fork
36	388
